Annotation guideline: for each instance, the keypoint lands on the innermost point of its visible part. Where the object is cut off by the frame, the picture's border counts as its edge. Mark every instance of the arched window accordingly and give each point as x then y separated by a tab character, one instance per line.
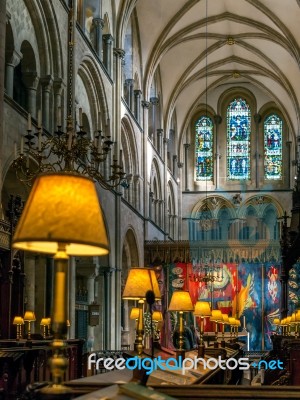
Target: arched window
238	140
273	147
204	149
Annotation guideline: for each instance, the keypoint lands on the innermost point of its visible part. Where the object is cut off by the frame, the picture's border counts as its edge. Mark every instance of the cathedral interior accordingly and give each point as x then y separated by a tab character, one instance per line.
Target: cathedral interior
185	114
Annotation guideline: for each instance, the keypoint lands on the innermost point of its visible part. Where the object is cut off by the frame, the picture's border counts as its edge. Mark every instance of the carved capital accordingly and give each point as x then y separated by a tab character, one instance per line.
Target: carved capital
120	53
137	93
160	132
145	104
107	38
14	58
57	86
154	101
180	164
257	118
47	82
98	22
186	145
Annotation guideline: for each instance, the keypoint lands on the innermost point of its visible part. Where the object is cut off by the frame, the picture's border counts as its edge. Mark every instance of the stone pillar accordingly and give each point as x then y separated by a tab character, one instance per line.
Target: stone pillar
97	26
57	88
137	105
118	60
46	82
107	46
174	166
289	164
151	200
217	120
154	101
186	155
129	95
107	308
165	187
90	300
2	64
159	141
31	81
118	271
257	120
11	64
29	270
146	173
72	296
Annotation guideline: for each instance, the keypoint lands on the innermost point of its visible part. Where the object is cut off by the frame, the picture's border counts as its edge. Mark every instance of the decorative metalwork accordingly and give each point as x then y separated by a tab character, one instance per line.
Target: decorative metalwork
207	271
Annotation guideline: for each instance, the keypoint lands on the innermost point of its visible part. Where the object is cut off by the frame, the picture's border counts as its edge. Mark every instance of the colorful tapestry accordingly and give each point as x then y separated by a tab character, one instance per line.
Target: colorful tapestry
248	291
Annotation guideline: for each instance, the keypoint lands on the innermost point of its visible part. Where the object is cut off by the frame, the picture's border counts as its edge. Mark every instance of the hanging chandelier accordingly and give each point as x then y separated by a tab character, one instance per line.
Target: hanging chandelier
70	150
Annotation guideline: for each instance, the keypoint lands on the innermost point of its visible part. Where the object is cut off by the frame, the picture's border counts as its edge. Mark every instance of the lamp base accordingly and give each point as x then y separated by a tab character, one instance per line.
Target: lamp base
201	350
55	392
180	353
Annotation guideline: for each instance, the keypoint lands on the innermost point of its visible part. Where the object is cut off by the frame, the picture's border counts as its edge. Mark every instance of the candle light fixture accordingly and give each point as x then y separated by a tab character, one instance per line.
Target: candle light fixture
202	310
29	317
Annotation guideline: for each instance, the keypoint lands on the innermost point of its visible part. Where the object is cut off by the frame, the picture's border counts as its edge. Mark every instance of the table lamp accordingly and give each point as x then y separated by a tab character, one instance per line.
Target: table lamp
276	322
19	321
62	217
202	310
297	320
44	324
216	317
181	301
141	281
29	317
231	321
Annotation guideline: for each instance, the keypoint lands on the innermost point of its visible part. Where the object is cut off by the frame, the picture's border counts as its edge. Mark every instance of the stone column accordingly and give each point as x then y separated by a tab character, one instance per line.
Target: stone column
29	270
107	308
11	64
217	120
257	120
136	192
31	81
186	155
97	26
46	82
107	46
90	300
137	105
174	167
72	297
118	60
57	88
2	64
129	95
146	173
289	164
151	199
159	141
165	187
118	271
154	101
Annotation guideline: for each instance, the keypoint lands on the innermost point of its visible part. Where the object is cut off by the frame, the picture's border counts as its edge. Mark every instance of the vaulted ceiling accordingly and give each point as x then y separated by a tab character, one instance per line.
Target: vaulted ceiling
218	44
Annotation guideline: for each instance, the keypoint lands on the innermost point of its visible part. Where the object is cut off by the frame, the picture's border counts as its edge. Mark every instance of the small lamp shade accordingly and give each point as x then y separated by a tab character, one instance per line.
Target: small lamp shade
44	322
29	316
276	321
134	313
157	316
231	320
181	301
18	321
216	315
62	208
225	318
139	281
288	320
202	309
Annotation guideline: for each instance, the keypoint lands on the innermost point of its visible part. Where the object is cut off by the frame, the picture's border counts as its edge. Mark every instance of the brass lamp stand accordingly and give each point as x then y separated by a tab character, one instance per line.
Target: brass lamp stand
62	216
216	317
134	314
202	310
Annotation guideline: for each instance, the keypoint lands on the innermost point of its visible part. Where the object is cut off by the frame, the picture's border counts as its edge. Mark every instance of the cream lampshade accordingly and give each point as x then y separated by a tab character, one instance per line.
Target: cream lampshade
44	324
62	216
181	301
202	310
138	283
134	313
157	316
216	317
62	208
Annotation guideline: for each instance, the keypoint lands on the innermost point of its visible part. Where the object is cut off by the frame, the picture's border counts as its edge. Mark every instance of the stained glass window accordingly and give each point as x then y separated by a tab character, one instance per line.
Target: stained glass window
273	147
204	149
238	140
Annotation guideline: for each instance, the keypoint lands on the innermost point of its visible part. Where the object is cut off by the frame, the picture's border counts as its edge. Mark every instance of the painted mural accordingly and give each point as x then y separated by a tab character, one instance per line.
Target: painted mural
249	291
